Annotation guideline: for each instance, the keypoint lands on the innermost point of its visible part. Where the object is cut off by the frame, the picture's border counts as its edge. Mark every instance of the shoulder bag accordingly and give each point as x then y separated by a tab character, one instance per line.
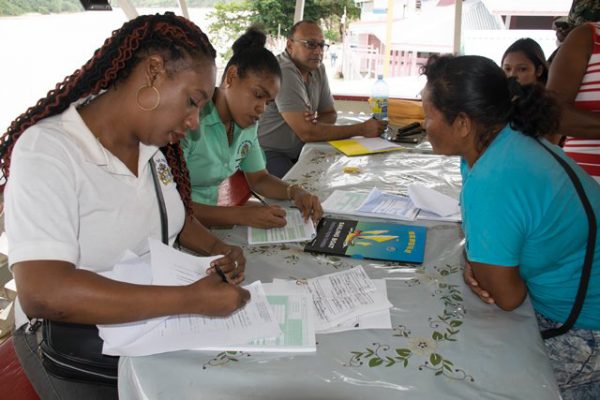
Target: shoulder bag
589	251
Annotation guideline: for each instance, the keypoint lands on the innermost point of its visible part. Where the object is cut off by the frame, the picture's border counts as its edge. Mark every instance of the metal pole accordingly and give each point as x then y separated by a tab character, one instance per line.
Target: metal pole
184	9
128	8
388	38
299	12
457	25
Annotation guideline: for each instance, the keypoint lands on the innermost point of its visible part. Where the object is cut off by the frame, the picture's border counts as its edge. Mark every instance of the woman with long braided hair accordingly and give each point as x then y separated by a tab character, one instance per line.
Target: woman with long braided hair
80	191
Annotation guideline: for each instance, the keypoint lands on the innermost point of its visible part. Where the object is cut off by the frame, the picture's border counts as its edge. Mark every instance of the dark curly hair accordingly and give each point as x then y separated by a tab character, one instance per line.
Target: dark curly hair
175	37
477	87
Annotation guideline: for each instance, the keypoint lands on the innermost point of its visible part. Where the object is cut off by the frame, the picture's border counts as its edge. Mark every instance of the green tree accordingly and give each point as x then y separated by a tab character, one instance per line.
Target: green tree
18	7
231	19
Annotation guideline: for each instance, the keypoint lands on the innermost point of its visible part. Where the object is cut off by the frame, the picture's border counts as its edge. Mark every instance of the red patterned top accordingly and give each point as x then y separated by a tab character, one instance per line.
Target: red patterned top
586	152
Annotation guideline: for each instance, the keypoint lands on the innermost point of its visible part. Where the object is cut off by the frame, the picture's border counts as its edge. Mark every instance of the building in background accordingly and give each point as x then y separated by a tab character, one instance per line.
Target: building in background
424	27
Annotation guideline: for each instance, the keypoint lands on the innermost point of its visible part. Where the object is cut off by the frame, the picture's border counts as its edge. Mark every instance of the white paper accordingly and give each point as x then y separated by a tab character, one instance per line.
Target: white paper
433	201
387	204
350	293
340	284
293	310
377	144
136	271
379	319
296	230
374	320
184	332
347	203
343	202
180	332
171	267
424	215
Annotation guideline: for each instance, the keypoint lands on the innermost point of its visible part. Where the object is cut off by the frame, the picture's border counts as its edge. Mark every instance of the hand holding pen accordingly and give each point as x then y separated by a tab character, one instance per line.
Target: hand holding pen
264	216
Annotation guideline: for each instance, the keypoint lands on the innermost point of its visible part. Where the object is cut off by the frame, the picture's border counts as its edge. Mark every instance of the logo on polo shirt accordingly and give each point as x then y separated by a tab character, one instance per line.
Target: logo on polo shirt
243	150
164	172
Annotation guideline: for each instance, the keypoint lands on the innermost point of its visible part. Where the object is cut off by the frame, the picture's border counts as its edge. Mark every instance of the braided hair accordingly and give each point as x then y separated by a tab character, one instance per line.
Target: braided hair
173	36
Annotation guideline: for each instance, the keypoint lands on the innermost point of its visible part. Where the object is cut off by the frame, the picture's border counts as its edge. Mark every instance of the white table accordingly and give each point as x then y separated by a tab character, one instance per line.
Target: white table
445	343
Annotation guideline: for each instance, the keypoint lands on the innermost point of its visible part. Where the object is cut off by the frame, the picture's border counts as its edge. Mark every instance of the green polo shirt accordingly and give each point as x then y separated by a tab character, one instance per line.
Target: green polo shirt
211	160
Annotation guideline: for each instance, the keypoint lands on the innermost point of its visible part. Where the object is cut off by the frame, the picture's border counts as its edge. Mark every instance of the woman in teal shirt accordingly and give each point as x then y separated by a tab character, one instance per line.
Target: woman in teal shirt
525	228
226	141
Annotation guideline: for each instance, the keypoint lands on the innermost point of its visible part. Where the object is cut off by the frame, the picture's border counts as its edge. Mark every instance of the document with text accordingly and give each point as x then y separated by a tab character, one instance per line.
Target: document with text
296	230
293	310
376	204
185	332
340	298
181	332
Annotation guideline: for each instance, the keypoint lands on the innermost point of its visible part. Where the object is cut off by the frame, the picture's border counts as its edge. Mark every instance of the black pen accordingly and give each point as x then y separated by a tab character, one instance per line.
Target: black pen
221	273
259	198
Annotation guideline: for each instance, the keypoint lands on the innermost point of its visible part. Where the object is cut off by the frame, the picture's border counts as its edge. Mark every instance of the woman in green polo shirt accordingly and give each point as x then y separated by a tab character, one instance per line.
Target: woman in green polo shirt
226	141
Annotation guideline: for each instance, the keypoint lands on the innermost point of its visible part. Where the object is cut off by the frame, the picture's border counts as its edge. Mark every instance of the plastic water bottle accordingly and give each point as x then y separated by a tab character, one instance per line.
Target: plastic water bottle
379	99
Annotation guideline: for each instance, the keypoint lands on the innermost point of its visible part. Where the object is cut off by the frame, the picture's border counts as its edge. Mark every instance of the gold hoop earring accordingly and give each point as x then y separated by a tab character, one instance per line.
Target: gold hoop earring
137	98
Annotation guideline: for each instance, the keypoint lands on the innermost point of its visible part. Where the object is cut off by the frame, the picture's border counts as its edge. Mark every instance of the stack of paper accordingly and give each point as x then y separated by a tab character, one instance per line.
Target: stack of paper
296	230
422	203
293	310
257	324
346	300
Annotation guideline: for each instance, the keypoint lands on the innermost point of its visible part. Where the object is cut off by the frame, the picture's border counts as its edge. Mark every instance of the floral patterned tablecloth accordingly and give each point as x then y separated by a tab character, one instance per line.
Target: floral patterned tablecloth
445	343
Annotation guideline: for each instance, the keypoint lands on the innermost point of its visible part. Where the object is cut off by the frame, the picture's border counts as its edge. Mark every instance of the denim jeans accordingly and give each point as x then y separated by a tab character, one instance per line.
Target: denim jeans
575	358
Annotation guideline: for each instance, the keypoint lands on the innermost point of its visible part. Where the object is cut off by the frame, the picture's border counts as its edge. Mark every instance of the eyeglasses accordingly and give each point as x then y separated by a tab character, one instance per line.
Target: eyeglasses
312	44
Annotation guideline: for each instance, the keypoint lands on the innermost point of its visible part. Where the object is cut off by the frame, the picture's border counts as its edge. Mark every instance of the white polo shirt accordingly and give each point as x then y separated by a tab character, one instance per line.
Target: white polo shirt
70	199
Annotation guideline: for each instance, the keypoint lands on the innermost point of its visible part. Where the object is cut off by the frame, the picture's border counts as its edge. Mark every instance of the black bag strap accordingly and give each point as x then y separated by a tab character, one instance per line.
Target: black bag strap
164	222
589	251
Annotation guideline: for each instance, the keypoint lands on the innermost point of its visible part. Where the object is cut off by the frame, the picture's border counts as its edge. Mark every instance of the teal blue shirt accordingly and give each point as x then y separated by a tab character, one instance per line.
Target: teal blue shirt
520	209
210	159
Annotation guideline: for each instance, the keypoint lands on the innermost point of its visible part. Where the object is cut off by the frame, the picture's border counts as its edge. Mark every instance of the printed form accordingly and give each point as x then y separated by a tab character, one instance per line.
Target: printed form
376	204
296	230
340	298
293	310
182	332
387	204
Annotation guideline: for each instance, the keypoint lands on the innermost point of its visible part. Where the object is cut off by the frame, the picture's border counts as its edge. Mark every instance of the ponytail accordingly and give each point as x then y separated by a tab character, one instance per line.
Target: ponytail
533	111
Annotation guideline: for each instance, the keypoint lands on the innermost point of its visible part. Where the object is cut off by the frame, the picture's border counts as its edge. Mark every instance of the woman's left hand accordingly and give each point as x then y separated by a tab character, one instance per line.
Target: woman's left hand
474	285
233	262
308	204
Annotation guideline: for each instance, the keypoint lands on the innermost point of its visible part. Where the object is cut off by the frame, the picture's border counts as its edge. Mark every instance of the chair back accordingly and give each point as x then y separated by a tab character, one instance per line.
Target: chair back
234	191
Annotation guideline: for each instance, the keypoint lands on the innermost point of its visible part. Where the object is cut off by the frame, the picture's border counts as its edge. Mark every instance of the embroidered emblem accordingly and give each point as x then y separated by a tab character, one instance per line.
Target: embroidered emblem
164	172
243	150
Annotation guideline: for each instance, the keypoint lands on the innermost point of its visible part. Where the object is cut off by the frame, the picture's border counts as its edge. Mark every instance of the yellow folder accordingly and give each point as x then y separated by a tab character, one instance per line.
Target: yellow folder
352	147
